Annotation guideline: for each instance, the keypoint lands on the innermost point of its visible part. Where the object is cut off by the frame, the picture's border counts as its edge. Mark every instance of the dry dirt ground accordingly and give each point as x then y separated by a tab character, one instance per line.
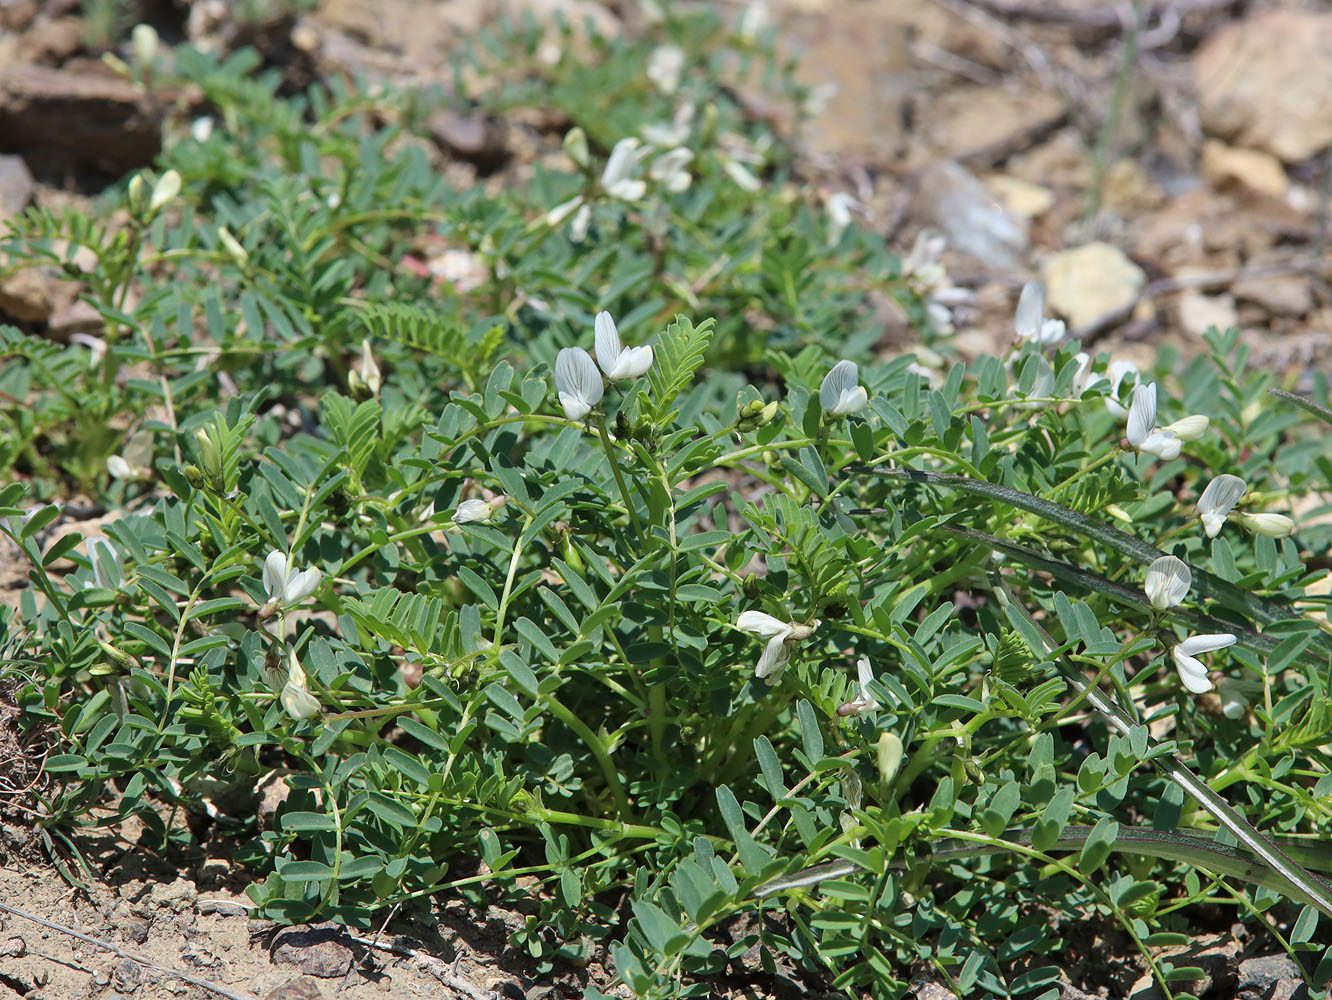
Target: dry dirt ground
1161	176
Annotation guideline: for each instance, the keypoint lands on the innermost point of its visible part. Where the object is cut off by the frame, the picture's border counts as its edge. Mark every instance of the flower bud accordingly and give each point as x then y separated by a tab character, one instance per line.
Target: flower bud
889	758
767	414
575	145
212	461
143	43
1271	525
136	194
239	255
164	192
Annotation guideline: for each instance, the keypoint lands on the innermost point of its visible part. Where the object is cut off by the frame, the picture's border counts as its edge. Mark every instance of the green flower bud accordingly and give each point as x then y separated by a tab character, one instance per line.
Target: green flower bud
575	144
164	192
890	758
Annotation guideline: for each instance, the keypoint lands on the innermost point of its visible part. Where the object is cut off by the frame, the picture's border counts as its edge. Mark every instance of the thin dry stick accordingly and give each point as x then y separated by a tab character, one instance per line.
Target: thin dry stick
136	959
435	966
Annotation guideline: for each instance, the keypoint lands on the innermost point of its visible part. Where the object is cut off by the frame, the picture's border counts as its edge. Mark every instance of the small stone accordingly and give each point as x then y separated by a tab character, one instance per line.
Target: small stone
78	317
135	929
1021	197
304	988
1199	312
177	896
321	950
1262	82
1258	975
1290	989
14	947
16	186
1228	167
478	139
1281	295
1090	282
26	295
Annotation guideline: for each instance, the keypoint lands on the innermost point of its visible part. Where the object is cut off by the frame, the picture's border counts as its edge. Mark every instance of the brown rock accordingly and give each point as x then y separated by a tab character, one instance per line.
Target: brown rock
89	117
77	317
1090	282
1281	295
298	989
1289	989
16	186
52	40
1262	82
1228	167
479	139
989	124
26	295
320	950
1199	312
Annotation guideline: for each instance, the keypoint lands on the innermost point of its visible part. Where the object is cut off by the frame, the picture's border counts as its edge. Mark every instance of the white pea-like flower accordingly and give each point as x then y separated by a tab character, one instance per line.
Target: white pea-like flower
778	633
1189	428
1217	500
1271	525
1029	321
475	510
1142	431
577	381
582	221
839	205
841	392
118	468
1167	582
864	701
616	179
616	360
665	66
368	370
669	171
296	699
1192	671
286	585
742	176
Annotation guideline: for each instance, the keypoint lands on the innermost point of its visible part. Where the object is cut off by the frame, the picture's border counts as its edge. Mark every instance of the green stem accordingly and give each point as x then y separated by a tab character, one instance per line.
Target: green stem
619	479
599	750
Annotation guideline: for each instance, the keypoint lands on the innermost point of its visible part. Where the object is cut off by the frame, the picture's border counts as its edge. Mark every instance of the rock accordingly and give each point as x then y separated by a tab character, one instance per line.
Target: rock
1216	956
88	117
1262	82
975	223
14	947
478	139
1226	168
298	989
1281	295
1090	282
1290	989
177	896
1257	976
981	124
53	40
1128	190
27	295
1021	197
16	187
1199	312
77	317
320	950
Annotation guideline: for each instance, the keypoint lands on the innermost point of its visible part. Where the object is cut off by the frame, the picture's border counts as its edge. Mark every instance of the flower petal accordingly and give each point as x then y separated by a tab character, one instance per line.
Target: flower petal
1207	643
609	347
843	378
1142	414
1192	672
1221	495
1167	582
1163	444
1030	310
633	362
301	585
275	574
775	655
761	624
578	382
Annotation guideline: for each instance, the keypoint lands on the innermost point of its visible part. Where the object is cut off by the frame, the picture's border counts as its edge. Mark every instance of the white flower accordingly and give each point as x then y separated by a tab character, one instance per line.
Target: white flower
865	701
478	510
738	172
839	205
296	698
778	633
1271	525
164	192
367	372
616	360
1217	500
143	44
669	171
1142	431
286	586
667	136
1117	371
665	66
118	467
754	19
1168	581
841	391
1192	671
615	178
201	129
1030	322
577	381
563	210
581	221
1189	428
107	569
